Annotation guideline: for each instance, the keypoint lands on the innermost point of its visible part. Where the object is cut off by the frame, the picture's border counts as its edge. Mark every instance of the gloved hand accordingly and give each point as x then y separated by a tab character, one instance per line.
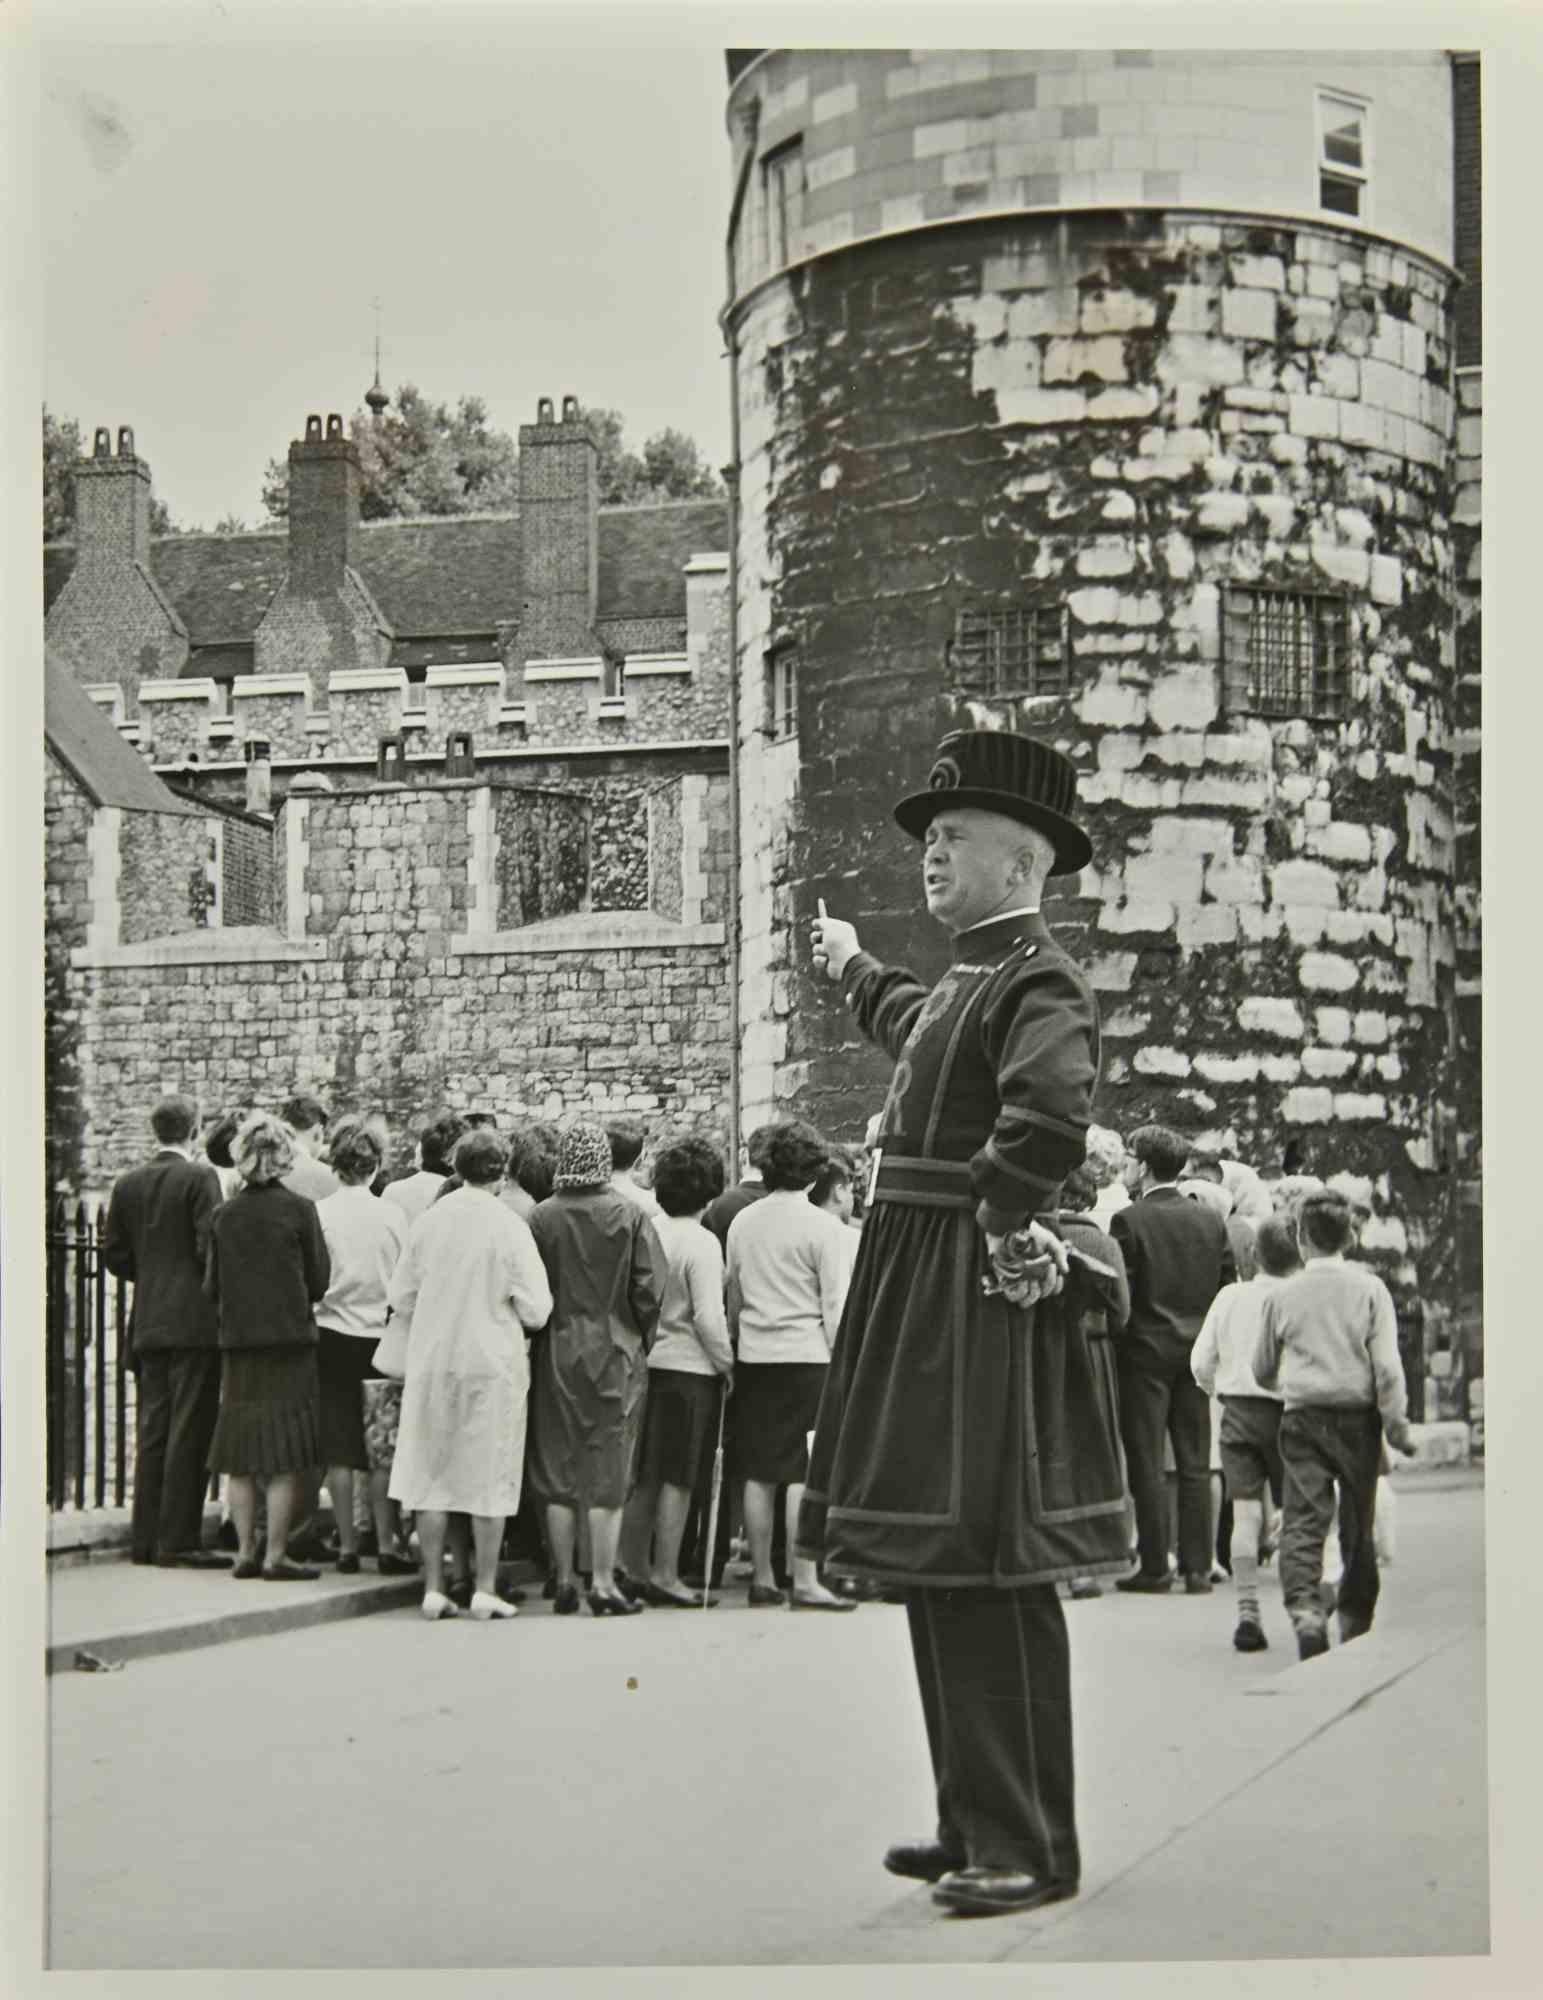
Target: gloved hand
1027	1265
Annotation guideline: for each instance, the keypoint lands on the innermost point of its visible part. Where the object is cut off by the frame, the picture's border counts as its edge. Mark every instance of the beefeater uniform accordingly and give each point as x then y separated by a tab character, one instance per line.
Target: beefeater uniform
968	1450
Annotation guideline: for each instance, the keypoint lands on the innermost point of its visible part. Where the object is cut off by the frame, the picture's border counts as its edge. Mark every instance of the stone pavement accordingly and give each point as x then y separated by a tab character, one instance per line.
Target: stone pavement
681	1789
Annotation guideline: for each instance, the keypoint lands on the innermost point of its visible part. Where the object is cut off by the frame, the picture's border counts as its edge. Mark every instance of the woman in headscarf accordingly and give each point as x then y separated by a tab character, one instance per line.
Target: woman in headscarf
469	1286
268	1267
607	1272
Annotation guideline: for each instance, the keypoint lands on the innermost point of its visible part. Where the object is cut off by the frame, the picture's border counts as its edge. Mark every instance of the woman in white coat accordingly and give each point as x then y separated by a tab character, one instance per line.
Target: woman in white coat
469	1286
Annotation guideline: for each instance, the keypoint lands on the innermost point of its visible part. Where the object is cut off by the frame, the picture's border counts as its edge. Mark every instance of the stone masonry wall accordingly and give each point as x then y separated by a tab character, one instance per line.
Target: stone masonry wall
164	884
664	849
247	873
1124	417
66	914
543	856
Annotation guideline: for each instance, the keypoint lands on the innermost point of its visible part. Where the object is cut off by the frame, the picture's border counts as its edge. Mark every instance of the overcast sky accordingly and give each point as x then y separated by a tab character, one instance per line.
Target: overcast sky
225	192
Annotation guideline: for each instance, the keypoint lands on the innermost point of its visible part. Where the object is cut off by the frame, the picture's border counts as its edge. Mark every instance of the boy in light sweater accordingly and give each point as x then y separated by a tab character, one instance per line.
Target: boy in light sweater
1251	1416
1329	1337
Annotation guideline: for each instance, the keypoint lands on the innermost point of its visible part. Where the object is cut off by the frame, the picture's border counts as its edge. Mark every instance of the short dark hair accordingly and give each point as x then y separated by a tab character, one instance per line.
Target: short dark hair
1276	1247
304	1114
755	1145
833	1174
478	1121
688	1174
627	1140
533	1157
793	1154
1079	1191
480	1157
218	1134
356	1152
437	1140
1160	1150
1325	1221
173	1119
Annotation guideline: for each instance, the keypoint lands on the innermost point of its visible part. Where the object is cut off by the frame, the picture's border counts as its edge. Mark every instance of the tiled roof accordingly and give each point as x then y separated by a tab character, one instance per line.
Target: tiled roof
81	735
459	574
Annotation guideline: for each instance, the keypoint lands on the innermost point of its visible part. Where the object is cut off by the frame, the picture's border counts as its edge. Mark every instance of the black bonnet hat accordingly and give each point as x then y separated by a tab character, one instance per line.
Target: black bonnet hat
1014	775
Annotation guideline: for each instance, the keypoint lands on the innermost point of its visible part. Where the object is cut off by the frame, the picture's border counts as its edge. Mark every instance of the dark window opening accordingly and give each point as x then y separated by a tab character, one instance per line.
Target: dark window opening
1023	650
1287	654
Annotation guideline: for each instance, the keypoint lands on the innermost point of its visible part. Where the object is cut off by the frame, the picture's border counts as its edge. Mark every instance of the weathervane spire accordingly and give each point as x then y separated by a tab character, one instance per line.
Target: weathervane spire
375	395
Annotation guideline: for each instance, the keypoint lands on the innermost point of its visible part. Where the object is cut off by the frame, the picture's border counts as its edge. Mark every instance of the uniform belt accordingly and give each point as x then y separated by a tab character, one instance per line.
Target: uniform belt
912	1183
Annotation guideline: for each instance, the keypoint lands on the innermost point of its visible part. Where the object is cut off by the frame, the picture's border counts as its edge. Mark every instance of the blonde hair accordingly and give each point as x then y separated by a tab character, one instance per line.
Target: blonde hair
263	1149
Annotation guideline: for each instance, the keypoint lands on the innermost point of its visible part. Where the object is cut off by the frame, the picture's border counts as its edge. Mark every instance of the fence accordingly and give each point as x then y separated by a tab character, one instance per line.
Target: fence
89	1392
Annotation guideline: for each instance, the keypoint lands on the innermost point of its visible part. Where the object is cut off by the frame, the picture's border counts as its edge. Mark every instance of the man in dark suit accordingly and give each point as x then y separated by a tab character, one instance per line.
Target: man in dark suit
1177	1257
158	1222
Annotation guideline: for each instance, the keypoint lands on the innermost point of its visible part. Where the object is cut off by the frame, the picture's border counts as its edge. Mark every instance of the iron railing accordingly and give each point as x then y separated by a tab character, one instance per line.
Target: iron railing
88	1374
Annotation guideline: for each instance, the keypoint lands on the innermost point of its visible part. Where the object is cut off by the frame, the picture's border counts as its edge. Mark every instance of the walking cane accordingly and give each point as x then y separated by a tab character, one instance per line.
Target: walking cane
712	1505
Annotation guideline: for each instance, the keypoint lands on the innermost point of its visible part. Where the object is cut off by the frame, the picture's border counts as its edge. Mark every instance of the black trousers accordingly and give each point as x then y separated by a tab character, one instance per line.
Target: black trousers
176	1402
1320	1448
1158	1397
995	1677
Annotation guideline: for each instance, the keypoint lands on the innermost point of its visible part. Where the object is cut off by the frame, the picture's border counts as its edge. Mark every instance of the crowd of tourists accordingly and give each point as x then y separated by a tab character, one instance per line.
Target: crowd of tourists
567	1346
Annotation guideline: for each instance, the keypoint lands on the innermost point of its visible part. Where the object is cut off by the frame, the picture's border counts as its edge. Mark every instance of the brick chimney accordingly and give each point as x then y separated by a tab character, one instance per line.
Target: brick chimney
322	619
323	507
559	499
112	622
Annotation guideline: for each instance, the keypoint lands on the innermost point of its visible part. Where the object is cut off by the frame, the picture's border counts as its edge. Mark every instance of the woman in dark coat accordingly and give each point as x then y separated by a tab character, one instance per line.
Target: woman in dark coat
591	1373
268	1266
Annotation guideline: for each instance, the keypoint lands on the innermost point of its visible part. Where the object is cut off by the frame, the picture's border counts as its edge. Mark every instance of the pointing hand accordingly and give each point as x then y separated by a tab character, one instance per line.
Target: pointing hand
832	942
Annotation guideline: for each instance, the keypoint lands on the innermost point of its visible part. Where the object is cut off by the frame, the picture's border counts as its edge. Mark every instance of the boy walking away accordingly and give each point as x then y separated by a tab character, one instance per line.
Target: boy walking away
1251	1416
1329	1337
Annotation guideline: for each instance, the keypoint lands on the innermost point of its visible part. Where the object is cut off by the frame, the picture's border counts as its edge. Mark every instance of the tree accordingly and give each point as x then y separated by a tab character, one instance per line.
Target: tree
62	451
427	458
421	458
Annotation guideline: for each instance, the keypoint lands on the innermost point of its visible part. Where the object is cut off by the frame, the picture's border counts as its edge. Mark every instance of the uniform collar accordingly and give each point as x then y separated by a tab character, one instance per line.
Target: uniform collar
989	940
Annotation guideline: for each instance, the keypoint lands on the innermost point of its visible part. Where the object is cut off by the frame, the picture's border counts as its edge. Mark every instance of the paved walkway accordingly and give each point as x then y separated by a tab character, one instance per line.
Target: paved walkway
681	1789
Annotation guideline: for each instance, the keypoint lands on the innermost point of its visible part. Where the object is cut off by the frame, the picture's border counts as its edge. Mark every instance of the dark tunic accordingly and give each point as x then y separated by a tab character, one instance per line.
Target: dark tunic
962	1441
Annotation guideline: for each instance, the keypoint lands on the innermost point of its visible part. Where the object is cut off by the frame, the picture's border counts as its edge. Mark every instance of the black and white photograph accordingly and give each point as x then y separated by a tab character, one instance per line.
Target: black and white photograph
755	897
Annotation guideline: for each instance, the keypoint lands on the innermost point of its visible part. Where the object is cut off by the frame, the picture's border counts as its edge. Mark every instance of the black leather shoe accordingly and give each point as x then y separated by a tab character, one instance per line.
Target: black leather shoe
923	1860
1249	1637
193	1559
611	1604
763	1596
565	1600
1141	1582
996	1892
1312	1642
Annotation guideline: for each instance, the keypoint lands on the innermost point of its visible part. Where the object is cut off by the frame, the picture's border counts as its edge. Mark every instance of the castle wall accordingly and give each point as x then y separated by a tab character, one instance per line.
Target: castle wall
1128	418
67	814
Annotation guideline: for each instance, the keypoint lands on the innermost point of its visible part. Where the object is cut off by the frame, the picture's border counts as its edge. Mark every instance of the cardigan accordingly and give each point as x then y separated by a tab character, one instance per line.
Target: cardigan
268	1266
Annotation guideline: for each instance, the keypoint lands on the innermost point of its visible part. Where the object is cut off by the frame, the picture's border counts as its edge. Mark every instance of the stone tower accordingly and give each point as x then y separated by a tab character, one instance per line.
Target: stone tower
1110	396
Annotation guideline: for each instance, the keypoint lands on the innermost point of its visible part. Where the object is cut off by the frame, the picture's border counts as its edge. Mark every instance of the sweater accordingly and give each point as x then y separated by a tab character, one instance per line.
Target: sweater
693	1332
1222	1356
788	1278
268	1266
1329	1337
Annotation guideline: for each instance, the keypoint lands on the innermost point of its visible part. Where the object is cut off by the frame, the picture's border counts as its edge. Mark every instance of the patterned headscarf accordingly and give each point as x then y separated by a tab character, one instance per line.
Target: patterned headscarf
583	1158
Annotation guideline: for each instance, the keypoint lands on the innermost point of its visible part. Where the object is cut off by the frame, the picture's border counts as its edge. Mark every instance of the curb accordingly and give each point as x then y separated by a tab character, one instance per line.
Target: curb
254	1623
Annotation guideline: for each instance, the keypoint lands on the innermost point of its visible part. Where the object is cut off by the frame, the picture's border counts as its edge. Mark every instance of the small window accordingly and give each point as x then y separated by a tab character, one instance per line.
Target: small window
416	700
1344	155
782	174
782	693
613	676
223	706
1286	653
1021	650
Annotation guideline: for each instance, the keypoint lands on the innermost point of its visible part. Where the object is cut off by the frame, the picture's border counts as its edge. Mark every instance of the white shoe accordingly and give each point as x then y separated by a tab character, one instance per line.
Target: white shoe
436	1605
485	1606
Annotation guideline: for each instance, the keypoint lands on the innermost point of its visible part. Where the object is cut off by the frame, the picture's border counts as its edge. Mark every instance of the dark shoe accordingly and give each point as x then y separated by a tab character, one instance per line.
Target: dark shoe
348	1563
801	1601
566	1600
1249	1637
460	1594
245	1571
681	1599
629	1586
996	1892
1312	1640
923	1860
1147	1585
611	1604
389	1563
192	1559
289	1572
1196	1585
764	1595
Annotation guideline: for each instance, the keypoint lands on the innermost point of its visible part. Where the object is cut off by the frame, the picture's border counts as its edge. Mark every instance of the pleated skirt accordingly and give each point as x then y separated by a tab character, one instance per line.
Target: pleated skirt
270	1411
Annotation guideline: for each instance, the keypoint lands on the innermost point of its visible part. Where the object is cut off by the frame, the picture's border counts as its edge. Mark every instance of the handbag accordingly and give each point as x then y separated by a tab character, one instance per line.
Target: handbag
391	1350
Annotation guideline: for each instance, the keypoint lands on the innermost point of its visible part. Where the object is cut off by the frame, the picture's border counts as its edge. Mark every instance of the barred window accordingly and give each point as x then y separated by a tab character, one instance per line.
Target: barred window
782	693
1286	653
1023	650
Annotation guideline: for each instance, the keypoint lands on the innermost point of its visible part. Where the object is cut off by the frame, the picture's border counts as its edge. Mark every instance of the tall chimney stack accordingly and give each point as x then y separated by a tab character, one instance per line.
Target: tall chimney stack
559	501
324	477
112	502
